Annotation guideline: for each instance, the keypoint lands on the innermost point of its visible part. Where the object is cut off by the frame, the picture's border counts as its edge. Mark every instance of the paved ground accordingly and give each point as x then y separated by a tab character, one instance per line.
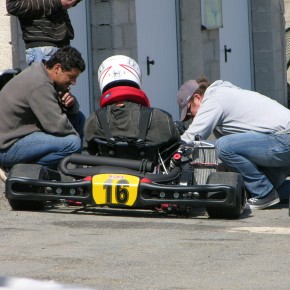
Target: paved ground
113	249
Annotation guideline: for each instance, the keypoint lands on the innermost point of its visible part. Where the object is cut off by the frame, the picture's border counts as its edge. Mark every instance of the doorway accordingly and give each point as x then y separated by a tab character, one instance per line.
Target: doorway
235	53
158	53
83	88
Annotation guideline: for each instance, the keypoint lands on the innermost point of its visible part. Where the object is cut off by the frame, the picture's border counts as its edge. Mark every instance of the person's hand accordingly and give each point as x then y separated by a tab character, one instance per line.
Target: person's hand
180	127
67	100
66	4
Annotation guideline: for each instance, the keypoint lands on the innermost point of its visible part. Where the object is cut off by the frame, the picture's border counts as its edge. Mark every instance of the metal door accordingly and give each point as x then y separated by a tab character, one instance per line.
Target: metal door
157	52
235	53
82	90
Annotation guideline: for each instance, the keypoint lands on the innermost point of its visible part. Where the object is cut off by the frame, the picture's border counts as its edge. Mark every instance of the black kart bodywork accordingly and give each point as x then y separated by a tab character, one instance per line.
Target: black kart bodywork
180	176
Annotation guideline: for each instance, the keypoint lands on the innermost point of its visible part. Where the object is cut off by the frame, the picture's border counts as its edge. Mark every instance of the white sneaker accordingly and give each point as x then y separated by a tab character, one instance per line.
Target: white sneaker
3	176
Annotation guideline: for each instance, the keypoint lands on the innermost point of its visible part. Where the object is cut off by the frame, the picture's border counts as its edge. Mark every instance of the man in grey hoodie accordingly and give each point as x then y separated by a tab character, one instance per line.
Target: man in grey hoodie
253	134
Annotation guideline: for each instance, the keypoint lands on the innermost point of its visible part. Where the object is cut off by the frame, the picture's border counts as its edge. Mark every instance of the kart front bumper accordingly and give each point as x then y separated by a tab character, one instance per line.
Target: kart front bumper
146	194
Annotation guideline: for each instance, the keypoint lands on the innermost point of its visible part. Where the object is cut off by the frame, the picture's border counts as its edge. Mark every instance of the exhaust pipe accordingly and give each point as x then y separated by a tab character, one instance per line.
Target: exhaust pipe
91	160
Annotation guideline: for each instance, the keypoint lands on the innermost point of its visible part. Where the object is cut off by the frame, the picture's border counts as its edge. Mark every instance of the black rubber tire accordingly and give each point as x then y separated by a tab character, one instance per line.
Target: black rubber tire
32	171
234	180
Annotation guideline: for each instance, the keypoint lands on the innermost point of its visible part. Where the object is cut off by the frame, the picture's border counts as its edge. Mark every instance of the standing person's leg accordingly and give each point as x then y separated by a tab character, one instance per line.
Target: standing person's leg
248	153
78	121
37	54
40	148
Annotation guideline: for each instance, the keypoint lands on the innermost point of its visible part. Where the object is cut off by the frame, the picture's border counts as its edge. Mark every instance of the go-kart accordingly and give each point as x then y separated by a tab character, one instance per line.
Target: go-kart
178	177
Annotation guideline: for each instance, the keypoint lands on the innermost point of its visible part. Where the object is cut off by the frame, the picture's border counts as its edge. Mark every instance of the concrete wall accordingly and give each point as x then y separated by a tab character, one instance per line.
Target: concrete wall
191	40
113	32
8	37
287	25
269	48
211	56
11	44
199	48
287	13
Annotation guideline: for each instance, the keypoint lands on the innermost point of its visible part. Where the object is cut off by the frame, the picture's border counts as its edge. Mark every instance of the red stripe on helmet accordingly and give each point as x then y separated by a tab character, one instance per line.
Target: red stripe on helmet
130	69
104	73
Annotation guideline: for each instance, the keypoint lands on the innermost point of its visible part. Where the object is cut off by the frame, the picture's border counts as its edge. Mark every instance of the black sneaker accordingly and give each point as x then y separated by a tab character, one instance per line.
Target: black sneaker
261	203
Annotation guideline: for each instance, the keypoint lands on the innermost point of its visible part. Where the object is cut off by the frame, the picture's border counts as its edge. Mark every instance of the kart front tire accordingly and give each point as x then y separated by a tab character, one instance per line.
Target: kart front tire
234	180
31	171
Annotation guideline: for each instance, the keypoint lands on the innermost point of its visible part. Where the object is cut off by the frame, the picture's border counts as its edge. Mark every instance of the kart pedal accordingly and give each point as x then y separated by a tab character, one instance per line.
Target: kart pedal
74	203
166	207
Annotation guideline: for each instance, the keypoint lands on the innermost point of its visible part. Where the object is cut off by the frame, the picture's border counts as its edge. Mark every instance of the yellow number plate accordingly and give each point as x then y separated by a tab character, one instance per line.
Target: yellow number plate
116	189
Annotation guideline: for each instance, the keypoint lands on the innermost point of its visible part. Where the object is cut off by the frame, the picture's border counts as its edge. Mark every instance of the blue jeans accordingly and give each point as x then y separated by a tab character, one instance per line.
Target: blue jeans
40	148
263	160
44	149
37	54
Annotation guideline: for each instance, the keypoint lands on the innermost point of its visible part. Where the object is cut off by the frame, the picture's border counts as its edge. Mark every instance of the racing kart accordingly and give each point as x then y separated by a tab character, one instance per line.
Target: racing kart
177	177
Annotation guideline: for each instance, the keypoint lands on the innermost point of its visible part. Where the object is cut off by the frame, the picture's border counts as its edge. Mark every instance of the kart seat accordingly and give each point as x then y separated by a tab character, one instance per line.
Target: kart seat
127	150
137	148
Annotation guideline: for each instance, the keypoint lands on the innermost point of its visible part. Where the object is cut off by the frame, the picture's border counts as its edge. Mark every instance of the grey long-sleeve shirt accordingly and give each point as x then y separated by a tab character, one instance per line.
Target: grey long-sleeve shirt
227	109
29	103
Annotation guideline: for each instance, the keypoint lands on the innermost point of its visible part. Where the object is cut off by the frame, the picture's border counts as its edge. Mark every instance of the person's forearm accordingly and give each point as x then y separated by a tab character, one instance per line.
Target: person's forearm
66	4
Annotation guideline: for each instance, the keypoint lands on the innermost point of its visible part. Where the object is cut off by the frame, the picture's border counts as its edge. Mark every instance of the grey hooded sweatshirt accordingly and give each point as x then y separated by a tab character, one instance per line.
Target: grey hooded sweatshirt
227	109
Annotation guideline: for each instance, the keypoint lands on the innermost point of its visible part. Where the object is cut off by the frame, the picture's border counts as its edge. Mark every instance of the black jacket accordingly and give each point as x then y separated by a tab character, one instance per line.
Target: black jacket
43	23
123	122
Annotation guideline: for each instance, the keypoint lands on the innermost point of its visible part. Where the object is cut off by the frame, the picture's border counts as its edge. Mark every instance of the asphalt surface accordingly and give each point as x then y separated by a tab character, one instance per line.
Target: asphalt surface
118	249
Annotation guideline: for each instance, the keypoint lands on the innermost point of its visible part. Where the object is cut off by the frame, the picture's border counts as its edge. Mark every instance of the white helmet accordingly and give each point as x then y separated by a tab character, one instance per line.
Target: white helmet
119	70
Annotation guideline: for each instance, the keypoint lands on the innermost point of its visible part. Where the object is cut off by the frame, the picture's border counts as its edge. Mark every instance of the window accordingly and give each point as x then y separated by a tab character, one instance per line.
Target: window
211	13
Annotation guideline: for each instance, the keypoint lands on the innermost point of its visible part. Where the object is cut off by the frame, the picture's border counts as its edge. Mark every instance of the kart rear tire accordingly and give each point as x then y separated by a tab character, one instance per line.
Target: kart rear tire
32	171
234	180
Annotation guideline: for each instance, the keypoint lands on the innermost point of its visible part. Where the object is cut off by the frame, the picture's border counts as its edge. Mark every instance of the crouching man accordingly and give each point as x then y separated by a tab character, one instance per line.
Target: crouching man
253	134
40	121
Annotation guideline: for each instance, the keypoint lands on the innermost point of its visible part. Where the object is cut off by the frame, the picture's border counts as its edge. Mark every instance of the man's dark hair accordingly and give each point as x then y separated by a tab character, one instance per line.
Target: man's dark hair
68	57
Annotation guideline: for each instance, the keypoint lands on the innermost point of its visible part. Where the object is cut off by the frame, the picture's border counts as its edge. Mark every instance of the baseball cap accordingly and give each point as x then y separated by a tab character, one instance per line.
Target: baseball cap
184	95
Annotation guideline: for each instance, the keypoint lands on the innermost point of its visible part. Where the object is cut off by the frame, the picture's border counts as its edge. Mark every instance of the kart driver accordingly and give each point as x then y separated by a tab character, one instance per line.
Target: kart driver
119	79
253	131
